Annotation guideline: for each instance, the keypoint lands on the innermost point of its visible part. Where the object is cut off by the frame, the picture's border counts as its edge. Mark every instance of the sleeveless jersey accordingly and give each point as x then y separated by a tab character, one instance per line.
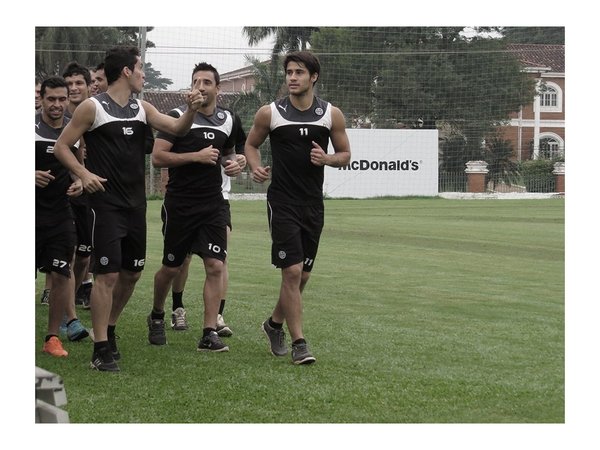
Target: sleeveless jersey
199	182
294	179
51	202
116	149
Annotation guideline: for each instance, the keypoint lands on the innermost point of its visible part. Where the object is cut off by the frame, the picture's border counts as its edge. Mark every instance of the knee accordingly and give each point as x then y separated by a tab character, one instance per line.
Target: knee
213	267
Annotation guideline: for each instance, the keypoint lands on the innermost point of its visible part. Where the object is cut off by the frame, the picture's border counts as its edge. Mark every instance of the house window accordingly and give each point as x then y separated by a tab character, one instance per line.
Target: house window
550	97
550	148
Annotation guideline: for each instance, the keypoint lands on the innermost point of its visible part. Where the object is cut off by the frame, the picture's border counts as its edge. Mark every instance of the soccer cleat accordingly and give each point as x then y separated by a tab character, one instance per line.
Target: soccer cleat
212	343
156	331
222	329
103	361
276	339
76	331
178	320
54	347
82	297
112	342
301	354
45	299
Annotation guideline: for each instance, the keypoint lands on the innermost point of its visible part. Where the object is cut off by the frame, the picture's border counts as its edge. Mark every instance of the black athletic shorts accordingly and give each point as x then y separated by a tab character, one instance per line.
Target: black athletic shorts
54	247
227	212
119	239
83	225
199	229
295	233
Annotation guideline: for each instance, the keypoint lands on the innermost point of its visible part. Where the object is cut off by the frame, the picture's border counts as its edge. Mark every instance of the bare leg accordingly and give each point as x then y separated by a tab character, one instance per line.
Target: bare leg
289	305
122	292
61	295
163	280
101	303
212	290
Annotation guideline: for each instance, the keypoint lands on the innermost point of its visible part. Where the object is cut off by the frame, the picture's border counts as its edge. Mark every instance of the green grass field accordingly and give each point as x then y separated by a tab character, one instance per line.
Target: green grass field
418	311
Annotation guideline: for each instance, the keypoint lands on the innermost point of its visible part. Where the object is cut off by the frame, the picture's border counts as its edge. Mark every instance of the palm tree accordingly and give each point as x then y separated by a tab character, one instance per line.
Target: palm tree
287	39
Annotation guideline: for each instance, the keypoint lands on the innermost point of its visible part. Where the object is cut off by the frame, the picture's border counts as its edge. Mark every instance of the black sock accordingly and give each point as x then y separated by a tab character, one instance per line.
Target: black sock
48	336
157	315
71	321
222	306
299	341
177	300
110	331
277	326
206	331
100	345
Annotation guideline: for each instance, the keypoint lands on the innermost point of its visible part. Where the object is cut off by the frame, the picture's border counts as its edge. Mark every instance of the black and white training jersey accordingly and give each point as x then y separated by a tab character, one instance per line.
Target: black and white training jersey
116	149
196	181
51	202
294	179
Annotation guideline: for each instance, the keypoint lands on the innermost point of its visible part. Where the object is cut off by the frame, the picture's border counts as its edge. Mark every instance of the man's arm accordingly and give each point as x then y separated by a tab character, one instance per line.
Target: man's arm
257	135
162	156
82	120
339	139
171	125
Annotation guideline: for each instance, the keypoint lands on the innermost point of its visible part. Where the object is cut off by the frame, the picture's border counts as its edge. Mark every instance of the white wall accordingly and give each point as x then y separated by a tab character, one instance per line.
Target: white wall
387	162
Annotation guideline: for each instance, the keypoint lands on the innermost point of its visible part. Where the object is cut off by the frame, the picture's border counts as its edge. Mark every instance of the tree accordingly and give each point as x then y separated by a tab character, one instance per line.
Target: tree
534	35
154	80
57	46
394	76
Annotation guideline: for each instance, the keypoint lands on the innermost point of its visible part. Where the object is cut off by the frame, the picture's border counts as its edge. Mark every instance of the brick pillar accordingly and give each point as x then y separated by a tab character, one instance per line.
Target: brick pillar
164	179
476	172
559	173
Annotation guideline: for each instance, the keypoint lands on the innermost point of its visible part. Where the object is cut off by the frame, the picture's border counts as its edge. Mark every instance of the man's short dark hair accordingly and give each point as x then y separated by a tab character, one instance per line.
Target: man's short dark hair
205	67
116	59
53	83
307	59
74	68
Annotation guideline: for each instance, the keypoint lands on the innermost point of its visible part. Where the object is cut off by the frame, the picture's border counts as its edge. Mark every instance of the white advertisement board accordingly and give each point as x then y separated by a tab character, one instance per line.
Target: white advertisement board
386	163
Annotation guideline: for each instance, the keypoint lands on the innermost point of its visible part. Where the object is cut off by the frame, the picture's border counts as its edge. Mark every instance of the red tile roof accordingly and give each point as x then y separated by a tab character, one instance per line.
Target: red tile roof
540	55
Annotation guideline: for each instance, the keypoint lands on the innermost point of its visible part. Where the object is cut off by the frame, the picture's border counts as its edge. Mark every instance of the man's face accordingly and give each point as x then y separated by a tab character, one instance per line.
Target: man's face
137	77
100	79
298	79
204	81
78	89
38	98
54	102
93	88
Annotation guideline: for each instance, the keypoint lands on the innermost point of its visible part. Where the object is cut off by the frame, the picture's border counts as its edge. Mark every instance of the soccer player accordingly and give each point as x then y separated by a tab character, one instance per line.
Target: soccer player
80	85
193	213
54	226
178	317
300	127
114	125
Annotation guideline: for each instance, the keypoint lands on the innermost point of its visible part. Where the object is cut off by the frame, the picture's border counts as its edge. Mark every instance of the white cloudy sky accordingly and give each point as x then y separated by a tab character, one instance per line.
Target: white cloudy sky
178	49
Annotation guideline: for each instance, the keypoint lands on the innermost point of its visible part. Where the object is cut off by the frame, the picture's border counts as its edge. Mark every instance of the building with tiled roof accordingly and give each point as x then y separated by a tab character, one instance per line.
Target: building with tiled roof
537	130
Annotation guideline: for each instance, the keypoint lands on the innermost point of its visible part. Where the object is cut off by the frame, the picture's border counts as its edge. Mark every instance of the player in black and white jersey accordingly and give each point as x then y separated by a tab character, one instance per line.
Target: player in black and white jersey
300	127
114	128
54	225
194	219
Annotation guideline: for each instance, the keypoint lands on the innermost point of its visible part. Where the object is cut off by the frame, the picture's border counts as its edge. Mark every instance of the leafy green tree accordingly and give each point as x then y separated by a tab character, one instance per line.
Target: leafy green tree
534	35
154	80
55	47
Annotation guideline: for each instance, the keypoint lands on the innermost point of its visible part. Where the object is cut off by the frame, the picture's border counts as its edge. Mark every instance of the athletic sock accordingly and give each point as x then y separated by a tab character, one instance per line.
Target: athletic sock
157	315
299	341
277	326
206	331
71	321
100	345
222	306
110	331
48	336
177	300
